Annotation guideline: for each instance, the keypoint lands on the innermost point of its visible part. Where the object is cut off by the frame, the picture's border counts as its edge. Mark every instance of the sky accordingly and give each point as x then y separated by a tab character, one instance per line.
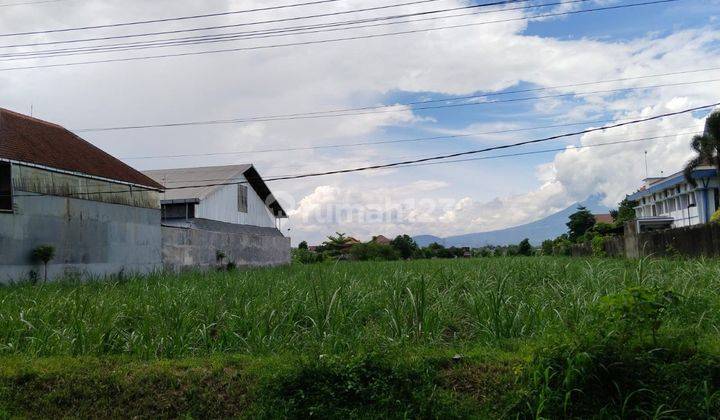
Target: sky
496	53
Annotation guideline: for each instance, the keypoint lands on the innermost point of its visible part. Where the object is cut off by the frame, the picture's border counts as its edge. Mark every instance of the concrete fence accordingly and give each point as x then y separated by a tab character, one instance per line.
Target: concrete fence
190	245
694	241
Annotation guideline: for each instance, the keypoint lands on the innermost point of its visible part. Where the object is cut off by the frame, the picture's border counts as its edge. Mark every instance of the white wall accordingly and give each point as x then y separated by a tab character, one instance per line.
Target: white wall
222	205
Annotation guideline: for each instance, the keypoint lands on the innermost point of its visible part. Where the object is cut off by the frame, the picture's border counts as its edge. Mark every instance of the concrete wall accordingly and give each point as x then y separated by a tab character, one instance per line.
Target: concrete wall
695	241
90	238
247	246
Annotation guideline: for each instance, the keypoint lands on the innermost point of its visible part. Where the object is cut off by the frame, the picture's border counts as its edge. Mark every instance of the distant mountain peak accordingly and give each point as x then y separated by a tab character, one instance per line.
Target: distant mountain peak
548	227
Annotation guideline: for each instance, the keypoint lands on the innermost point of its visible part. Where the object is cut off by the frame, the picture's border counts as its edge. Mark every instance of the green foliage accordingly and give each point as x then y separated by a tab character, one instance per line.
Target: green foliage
580	222
406	246
625	212
305	256
547	247
303	245
562	246
335	246
638	311
598	246
220	256
44	254
715	218
706	147
524	248
374	252
594	338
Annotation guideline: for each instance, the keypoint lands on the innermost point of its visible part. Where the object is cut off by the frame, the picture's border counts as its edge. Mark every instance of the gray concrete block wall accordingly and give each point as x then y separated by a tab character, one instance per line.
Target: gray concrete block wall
186	248
91	239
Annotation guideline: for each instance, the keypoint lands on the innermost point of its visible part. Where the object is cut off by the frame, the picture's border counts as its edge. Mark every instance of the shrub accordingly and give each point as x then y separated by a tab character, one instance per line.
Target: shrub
374	252
304	256
715	218
598	246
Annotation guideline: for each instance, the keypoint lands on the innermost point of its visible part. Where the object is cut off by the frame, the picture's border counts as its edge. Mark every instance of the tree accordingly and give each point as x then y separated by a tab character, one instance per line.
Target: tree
547	247
405	245
303	245
580	222
374	252
44	254
524	248
336	245
706	147
625	212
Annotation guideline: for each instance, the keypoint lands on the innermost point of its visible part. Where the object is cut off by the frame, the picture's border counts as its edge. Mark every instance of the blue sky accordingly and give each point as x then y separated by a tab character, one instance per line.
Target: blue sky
441	199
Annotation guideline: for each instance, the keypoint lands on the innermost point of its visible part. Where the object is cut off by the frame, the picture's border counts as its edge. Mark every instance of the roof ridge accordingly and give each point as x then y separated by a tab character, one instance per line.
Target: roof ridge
29	117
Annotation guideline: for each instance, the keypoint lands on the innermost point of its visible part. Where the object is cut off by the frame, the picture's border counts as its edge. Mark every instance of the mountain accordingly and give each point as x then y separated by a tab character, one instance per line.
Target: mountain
538	231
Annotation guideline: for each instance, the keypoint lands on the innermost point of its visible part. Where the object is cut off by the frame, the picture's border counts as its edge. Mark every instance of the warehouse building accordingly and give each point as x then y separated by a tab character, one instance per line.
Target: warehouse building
220	210
101	216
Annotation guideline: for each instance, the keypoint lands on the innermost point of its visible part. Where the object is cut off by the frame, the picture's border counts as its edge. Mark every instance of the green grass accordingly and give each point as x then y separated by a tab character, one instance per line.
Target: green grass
367	340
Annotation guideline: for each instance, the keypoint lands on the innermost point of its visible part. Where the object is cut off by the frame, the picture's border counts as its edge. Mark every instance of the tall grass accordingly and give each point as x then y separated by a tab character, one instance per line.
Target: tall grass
330	309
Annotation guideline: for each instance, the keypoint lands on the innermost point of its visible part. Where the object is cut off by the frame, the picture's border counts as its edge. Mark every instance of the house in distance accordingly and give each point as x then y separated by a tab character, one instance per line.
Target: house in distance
220	209
671	201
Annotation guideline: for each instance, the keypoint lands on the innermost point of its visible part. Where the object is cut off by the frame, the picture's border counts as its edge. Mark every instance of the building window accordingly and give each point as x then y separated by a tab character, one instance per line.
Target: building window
178	211
6	199
691	199
242	199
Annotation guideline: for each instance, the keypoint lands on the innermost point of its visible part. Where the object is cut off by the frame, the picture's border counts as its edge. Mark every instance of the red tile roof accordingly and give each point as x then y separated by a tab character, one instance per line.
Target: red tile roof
603	218
31	140
380	239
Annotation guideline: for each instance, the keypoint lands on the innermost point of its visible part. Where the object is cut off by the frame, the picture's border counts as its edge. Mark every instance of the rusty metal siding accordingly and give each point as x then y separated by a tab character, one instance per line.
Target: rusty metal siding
41	181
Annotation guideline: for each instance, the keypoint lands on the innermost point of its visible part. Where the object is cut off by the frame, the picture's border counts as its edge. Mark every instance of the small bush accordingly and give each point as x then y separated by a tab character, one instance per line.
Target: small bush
598	246
374	252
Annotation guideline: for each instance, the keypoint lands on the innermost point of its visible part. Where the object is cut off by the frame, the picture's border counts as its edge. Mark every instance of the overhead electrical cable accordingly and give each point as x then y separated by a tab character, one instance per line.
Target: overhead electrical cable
235	12
444	157
325	41
533	152
404	108
566	147
27	3
307	26
368	143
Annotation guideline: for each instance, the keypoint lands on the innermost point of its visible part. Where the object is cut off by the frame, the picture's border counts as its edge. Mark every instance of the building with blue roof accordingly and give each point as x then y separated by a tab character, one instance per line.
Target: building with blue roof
672	202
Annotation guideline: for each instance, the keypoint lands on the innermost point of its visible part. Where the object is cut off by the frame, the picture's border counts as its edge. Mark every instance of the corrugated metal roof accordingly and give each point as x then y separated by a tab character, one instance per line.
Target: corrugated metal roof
202	181
30	140
192	177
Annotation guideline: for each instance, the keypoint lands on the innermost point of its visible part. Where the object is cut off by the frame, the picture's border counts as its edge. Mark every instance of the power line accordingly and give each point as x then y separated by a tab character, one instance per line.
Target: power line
235	12
370	143
533	152
335	114
31	3
561	149
174	19
480	158
452	155
487	149
263	22
325	41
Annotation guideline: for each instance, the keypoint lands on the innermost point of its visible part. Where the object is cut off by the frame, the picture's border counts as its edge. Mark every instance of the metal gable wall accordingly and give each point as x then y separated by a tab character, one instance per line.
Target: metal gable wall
222	205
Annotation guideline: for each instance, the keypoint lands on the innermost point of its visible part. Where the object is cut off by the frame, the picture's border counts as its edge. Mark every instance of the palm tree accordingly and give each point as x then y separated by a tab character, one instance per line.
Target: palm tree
707	147
44	254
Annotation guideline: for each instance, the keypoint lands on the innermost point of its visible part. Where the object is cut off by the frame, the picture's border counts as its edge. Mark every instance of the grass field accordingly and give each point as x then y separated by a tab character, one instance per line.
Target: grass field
534	337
